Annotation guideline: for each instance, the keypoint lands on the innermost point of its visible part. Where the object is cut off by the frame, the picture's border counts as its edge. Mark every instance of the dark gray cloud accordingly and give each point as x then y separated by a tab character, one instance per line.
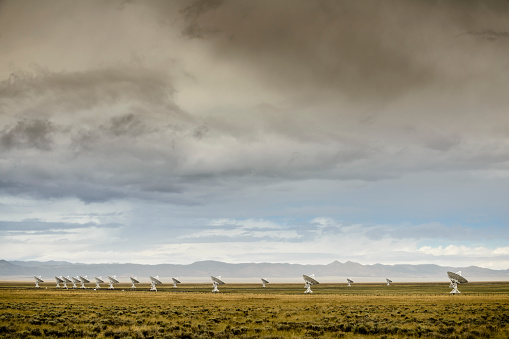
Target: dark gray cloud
40	225
364	50
35	133
73	92
192	15
487	34
128	124
40	184
124	3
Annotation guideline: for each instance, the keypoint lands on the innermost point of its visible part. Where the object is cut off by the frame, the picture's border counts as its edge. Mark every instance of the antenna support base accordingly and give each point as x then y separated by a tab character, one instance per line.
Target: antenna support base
308	288
215	289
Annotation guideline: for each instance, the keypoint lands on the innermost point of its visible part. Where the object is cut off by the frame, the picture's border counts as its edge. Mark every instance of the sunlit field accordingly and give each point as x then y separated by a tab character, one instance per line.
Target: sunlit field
250	311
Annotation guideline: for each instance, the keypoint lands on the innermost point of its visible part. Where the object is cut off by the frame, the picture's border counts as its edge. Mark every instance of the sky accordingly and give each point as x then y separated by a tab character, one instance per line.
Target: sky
297	131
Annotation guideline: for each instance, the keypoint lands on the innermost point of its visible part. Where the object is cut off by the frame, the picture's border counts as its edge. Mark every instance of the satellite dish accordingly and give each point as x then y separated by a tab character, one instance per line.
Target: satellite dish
98	280
216	281
83	281
175	282
37	281
350	281
456	278
59	281
66	280
264	281
113	280
75	280
153	282
388	281
310	280
134	281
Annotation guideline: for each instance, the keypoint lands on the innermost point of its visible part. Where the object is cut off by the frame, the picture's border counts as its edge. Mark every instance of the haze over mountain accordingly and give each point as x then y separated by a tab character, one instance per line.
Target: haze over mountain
248	272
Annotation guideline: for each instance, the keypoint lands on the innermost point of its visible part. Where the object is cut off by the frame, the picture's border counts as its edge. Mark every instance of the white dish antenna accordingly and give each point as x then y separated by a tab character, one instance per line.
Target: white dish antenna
37	281
175	282
153	282
264	281
59	281
75	280
156	280
388	281
98	280
113	280
66	280
456	278
216	281
134	280
83	281
349	281
310	280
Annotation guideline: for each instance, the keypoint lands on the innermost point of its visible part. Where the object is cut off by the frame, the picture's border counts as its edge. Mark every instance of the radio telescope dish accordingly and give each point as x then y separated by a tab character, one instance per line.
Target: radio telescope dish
153	282
83	281
66	280
349	281
216	281
113	280
134	281
98	280
59	281
175	282
388	281
75	280
37	281
310	280
264	281
456	278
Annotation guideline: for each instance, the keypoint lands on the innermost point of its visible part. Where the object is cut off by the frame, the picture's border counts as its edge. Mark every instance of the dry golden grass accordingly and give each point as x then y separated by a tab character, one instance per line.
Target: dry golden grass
246	310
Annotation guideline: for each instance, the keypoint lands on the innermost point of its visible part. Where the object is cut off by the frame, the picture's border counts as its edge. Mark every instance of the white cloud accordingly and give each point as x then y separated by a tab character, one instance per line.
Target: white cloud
57	244
249	228
462	255
502	251
18	209
468	252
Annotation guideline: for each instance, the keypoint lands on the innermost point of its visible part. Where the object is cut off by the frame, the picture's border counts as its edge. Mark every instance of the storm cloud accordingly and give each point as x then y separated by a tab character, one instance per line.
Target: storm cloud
170	116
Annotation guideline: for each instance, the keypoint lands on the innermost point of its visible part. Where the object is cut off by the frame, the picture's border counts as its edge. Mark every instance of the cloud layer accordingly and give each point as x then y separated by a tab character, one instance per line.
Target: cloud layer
246	122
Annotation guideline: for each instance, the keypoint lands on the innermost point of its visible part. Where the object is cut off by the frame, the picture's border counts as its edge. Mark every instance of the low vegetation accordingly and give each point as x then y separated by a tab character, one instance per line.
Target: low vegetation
248	311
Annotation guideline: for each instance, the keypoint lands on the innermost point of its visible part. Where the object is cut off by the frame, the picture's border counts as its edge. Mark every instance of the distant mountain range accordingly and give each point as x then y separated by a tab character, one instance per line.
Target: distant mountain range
248	272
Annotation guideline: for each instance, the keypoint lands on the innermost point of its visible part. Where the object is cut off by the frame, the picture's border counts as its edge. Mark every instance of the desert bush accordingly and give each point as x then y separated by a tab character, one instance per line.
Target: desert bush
7	329
34	321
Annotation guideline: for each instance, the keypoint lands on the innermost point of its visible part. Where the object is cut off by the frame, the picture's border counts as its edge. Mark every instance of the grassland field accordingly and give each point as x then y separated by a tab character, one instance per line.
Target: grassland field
402	310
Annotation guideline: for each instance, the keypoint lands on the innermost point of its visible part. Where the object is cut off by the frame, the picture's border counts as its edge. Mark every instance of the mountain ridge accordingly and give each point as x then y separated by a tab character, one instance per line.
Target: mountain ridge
334	271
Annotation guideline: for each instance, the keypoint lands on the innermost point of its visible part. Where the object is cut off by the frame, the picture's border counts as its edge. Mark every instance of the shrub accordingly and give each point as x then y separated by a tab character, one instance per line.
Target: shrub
7	329
360	329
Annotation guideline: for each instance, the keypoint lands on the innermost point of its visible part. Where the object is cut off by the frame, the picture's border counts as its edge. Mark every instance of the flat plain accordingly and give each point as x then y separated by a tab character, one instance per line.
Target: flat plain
371	310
